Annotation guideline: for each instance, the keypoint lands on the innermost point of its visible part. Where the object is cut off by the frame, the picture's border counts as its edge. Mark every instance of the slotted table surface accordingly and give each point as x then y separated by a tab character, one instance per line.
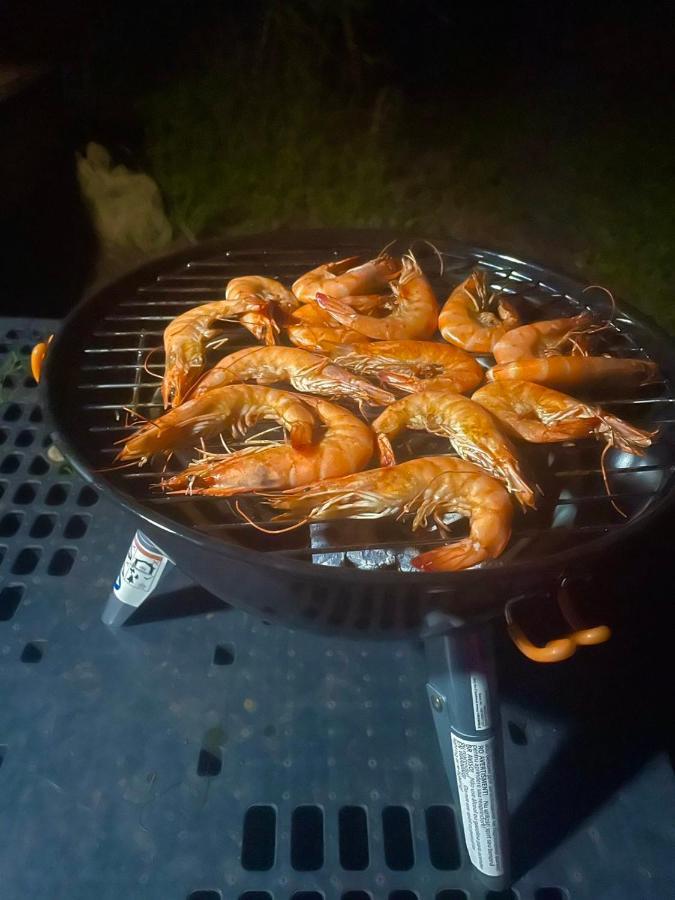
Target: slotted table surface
199	753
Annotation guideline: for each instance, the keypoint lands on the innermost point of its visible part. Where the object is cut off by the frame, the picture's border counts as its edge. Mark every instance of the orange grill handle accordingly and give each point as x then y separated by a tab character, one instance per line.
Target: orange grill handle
563	647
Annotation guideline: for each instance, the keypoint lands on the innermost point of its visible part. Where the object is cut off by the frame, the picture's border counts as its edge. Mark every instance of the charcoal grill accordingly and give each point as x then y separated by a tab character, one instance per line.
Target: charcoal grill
355	577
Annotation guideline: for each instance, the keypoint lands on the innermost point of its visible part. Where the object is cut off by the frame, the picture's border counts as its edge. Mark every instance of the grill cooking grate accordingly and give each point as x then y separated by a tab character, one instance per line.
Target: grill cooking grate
574	507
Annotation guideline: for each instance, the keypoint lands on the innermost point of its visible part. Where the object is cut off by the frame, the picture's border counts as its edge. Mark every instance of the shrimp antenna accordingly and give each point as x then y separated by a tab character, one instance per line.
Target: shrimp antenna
129	465
437	252
259	434
166	462
144	419
600	287
605	480
258	527
145	364
439	255
217	343
479	298
576	346
385	248
145	422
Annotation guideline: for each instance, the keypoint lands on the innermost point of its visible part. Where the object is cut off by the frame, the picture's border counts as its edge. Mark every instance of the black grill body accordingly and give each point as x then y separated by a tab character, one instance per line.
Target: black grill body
353	577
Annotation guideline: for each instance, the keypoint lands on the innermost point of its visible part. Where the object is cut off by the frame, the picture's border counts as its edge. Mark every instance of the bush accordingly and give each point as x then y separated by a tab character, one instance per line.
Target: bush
294	126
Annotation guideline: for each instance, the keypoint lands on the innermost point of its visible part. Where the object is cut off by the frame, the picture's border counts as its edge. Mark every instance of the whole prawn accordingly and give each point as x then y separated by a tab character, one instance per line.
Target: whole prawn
414	314
474	318
578	372
542	415
345	446
471	430
540	339
306	372
237	407
412	365
344	278
186	337
428	488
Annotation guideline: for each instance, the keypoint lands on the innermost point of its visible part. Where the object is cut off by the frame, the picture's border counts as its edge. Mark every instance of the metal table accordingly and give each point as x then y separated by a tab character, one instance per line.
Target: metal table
200	753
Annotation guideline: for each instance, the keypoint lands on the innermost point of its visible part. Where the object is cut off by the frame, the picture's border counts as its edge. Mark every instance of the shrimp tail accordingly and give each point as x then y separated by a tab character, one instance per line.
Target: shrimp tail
387	457
261	324
623	435
519	487
338	309
452	557
300	434
508	312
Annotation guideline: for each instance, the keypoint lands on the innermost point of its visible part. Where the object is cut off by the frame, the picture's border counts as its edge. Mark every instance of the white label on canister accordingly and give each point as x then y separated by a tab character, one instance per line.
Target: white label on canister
481	701
141	570
475	771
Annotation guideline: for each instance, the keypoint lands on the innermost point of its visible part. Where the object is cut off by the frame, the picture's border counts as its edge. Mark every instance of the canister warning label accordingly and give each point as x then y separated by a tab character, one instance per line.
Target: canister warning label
140	573
475	771
481	702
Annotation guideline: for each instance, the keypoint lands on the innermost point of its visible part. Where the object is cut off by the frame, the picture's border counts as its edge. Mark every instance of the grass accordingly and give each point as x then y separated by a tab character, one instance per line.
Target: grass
238	154
228	157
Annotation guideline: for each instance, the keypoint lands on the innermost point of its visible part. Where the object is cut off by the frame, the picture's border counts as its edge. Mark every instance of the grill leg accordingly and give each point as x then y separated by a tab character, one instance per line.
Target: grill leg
139	576
463	697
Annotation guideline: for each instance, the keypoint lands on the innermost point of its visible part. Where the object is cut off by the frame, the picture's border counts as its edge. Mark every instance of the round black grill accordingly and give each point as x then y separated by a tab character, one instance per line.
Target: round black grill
99	365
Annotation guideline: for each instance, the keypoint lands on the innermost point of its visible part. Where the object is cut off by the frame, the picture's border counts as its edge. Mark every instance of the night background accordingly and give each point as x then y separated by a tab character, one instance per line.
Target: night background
544	131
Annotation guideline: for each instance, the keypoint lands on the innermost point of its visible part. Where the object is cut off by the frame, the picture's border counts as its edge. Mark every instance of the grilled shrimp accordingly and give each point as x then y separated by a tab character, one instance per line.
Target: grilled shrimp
468	317
306	372
344	279
236	406
412	365
472	432
431	487
541	415
575	372
540	338
414	314
185	340
345	447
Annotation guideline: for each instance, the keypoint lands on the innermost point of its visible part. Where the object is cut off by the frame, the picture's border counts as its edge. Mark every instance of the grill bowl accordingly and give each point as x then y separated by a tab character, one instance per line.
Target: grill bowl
320	577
